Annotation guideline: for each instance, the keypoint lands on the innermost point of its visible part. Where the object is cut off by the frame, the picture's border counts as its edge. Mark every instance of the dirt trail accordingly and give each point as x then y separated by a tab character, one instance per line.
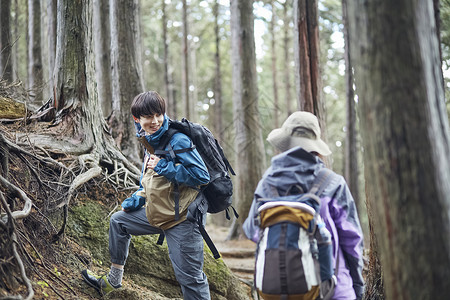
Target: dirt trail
238	255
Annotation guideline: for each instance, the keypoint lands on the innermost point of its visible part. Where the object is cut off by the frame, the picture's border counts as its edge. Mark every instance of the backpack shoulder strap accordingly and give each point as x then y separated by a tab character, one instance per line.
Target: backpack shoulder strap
321	181
323	178
146	144
164	143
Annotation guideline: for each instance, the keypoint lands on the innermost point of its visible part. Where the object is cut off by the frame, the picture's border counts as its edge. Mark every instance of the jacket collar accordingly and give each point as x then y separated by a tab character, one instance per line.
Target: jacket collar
290	168
296	158
154	138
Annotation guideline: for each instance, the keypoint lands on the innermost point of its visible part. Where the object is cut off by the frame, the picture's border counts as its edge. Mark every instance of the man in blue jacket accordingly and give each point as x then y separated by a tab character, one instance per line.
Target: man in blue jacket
150	209
301	149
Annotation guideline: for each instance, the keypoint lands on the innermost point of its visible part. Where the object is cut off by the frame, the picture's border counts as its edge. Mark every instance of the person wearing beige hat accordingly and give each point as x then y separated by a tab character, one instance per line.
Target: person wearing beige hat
300	129
297	165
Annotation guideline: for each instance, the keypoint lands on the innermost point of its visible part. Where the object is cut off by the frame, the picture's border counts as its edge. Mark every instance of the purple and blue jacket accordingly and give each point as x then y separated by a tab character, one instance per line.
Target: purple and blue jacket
297	167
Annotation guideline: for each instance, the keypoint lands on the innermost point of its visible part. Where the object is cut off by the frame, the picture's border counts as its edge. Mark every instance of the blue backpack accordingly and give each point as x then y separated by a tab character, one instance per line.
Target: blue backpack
294	252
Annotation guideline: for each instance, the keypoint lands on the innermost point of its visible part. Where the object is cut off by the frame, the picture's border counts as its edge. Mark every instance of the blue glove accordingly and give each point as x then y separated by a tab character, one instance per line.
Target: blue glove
133	203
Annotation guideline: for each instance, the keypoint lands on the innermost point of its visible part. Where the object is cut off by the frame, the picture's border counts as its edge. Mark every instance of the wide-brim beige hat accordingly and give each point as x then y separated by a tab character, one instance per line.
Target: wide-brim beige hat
301	129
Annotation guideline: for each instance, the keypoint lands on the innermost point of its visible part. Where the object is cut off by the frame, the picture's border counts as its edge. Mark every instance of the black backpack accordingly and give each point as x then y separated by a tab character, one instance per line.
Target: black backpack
218	192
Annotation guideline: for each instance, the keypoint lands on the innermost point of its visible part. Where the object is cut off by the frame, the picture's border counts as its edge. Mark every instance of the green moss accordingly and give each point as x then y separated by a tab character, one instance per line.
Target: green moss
88	225
219	275
10	109
148	264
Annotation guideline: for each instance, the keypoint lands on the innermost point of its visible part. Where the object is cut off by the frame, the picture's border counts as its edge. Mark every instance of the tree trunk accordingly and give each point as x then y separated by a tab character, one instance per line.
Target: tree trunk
71	96
306	53
276	104
215	114
35	73
126	73
287	60
437	18
102	43
185	64
248	144
193	46
171	105
15	46
406	143
81	129
6	70
351	152
218	120
51	32
374	289
306	48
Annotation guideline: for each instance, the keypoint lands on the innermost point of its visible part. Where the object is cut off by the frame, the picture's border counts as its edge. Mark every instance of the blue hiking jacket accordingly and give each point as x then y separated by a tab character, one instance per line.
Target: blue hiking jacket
188	169
299	167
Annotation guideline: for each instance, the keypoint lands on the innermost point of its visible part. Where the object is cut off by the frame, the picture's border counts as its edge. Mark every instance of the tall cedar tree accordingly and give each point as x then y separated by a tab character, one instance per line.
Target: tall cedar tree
395	52
218	107
248	144
102	43
78	127
171	105
185	64
35	68
126	67
287	58
351	151
51	39
6	70
306	48
276	104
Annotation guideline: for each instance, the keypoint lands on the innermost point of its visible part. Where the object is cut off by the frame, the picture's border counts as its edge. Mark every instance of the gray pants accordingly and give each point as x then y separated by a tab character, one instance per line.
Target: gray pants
185	245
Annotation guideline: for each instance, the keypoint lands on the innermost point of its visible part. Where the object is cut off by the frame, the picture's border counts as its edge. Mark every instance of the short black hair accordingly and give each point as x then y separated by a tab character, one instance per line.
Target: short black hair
148	104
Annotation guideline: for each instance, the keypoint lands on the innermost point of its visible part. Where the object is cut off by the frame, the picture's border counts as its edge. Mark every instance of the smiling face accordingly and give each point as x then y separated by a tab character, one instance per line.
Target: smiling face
148	110
151	123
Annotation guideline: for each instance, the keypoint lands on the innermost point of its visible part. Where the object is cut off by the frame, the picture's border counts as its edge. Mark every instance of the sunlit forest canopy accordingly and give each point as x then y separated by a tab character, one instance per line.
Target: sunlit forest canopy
201	41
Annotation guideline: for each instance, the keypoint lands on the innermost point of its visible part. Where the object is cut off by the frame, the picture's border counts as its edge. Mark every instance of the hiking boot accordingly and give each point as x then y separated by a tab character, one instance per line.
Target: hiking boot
100	283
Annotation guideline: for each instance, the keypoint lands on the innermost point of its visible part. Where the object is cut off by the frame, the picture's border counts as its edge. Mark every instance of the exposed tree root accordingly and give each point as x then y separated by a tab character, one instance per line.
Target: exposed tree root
77	182
32	175
10	224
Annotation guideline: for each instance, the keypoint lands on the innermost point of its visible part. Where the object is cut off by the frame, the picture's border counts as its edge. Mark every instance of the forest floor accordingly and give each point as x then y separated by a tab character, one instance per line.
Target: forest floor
66	283
238	255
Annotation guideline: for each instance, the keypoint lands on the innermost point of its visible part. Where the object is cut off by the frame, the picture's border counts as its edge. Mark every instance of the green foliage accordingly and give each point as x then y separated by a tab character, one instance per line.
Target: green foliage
445	45
201	39
44	286
445	29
